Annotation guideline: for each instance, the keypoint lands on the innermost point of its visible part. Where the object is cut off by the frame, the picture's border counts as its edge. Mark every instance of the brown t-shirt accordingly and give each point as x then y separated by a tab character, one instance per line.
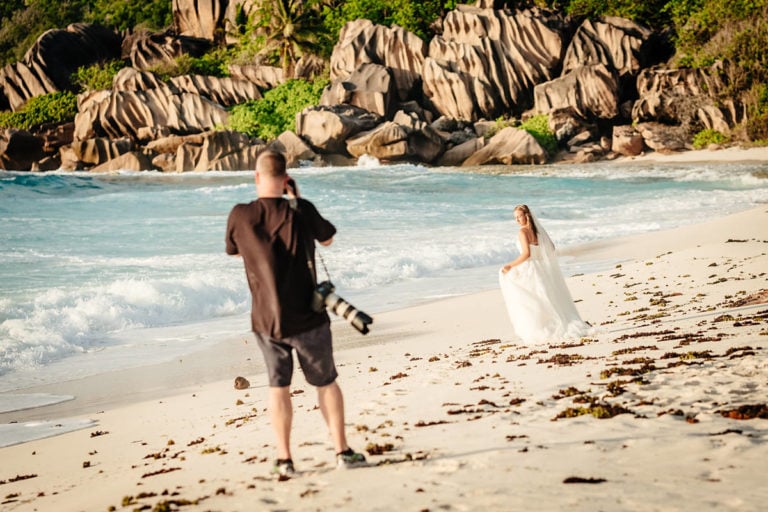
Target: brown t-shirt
271	237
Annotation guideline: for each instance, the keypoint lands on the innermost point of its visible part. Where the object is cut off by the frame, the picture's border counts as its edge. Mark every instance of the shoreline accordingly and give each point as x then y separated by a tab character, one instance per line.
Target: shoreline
191	369
732	154
239	355
718	154
456	414
469	414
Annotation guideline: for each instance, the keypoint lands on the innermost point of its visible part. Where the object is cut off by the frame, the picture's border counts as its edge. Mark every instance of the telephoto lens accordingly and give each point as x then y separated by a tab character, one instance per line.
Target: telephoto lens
325	297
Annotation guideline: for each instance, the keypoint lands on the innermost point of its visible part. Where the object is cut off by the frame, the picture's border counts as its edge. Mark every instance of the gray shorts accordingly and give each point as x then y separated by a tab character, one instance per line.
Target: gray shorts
314	349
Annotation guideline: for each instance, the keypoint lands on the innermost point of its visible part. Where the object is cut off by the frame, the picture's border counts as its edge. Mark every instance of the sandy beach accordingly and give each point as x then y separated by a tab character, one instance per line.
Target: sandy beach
663	407
717	154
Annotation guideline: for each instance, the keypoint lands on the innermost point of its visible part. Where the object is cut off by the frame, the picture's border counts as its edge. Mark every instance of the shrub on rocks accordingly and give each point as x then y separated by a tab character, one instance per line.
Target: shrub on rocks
56	107
98	76
708	136
757	128
276	111
538	126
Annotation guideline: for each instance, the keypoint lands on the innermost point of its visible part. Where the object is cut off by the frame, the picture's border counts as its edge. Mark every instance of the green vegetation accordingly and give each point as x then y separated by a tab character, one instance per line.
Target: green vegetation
214	63
649	13
757	129
281	32
415	16
709	30
276	112
128	14
538	126
500	123
8	7
709	136
19	30
288	30
56	107
97	76
23	21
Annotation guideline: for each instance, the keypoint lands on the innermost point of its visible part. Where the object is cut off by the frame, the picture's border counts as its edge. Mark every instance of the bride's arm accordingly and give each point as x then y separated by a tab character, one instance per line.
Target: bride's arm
525	253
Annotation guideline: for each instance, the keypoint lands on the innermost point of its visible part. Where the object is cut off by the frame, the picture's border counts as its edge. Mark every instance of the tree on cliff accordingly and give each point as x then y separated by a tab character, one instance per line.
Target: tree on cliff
291	29
282	31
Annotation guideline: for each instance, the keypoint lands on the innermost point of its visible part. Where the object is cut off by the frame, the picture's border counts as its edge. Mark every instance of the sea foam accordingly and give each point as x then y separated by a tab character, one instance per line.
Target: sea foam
126	268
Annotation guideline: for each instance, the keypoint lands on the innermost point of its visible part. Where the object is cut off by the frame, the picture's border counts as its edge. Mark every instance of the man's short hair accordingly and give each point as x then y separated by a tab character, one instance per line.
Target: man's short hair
271	163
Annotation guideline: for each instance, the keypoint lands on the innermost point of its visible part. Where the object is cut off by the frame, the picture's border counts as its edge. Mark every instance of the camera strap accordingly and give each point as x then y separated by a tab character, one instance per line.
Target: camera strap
294	204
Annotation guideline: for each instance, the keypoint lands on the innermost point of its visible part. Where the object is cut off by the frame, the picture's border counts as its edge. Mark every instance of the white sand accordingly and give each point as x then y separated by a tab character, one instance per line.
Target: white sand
465	414
729	154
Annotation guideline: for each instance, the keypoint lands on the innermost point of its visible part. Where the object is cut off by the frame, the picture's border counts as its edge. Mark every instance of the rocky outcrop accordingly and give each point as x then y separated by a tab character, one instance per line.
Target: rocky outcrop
327	128
664	138
163	150
92	152
709	81
171	118
218	151
170	144
265	77
566	123
49	64
722	116
223	91
131	79
56	136
203	19
614	42
147	50
402	139
164	162
424	142
119	113
362	42
294	148
627	141
19	150
236	19
590	91
688	97
369	87
387	86
509	146
132	161
458	154
487	62
459	95
387	142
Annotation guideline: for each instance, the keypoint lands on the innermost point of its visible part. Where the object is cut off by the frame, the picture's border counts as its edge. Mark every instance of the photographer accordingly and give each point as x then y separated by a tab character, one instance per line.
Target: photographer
275	239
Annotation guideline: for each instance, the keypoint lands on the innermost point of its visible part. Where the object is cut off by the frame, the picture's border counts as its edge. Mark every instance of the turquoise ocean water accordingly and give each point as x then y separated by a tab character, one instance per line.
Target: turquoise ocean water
99	272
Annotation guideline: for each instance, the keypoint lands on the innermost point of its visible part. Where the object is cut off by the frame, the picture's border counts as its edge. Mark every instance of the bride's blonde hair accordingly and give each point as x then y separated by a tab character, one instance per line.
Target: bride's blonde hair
527	212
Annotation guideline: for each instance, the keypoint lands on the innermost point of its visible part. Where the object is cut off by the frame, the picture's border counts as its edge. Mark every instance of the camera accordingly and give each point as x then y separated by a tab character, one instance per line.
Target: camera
290	187
324	296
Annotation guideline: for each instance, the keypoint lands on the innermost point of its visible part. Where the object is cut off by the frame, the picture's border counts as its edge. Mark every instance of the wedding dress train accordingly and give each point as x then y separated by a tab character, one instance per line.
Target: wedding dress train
538	301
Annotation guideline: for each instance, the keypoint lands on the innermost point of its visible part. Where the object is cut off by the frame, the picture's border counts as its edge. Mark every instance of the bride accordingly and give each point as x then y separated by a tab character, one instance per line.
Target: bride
537	298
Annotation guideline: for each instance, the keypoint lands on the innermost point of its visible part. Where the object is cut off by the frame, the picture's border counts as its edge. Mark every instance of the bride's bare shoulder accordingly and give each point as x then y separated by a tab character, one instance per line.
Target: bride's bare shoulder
528	235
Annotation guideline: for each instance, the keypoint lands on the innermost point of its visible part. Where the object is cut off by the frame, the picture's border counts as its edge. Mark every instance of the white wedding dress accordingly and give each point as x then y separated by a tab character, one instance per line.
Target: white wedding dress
538	301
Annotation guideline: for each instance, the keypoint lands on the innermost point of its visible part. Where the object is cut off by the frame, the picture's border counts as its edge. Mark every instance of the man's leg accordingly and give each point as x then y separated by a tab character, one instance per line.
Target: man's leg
281	413
332	406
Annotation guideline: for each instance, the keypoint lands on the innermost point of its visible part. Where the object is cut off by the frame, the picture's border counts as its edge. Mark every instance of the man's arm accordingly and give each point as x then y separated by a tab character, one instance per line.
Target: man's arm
230	247
326	243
